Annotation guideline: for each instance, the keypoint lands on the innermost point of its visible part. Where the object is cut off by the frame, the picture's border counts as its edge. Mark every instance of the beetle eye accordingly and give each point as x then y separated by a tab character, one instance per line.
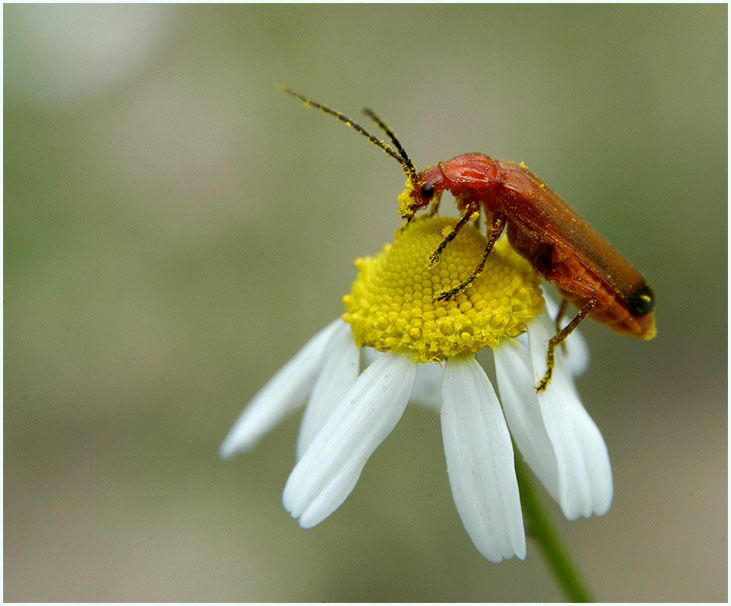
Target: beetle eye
427	191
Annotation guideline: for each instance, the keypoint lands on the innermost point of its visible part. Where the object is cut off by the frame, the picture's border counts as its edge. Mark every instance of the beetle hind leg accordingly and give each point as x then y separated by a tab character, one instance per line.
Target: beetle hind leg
559	338
561	313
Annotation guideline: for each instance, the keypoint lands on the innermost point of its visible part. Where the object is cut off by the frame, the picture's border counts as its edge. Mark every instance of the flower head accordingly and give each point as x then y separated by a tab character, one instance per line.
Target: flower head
393	304
417	349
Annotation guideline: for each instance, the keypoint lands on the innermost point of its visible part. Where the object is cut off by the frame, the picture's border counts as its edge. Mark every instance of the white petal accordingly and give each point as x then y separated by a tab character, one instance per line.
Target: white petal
370	355
428	386
480	461
575	347
515	381
282	393
331	466
584	471
338	374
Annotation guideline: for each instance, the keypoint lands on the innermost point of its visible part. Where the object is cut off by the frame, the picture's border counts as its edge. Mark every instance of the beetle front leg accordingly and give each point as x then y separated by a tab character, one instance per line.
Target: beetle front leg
472	207
493	233
559	337
434	207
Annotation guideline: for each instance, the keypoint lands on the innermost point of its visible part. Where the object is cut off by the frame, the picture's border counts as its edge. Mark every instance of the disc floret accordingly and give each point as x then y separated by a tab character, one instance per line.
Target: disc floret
393	306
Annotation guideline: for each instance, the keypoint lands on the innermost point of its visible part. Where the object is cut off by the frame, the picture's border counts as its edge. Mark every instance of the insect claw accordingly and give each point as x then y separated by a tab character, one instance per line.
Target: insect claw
433	259
445	295
545	380
407	221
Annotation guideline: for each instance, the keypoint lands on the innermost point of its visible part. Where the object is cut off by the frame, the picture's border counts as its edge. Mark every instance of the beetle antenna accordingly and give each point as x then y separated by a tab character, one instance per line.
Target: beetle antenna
399	156
391	135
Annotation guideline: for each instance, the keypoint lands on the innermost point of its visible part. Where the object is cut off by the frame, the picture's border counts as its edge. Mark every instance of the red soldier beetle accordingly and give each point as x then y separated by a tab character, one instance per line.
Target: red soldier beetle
546	231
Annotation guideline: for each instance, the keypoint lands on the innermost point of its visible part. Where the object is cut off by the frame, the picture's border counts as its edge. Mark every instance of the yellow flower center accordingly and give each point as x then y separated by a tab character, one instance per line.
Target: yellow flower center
393	306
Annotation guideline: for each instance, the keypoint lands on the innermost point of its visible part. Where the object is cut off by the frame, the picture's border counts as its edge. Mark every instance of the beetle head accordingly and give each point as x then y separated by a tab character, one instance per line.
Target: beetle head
426	187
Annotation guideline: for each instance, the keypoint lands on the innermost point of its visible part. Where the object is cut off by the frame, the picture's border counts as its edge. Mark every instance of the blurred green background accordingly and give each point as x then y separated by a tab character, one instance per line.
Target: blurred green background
175	229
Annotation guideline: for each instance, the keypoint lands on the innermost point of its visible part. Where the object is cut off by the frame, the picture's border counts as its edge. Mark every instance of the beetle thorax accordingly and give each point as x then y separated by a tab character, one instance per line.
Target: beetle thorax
470	174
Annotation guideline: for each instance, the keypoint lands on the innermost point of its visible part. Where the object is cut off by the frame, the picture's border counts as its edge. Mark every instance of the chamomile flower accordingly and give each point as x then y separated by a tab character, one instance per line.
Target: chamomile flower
396	344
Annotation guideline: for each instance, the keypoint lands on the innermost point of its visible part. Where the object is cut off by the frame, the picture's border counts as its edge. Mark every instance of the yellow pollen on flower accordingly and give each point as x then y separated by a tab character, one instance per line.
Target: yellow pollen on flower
393	306
405	199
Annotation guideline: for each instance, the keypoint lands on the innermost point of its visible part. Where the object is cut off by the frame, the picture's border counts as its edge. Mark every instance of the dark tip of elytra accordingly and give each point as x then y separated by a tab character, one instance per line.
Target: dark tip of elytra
642	301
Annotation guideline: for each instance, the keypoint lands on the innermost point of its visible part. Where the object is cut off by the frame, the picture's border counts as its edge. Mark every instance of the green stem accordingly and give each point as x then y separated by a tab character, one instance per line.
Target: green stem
538	526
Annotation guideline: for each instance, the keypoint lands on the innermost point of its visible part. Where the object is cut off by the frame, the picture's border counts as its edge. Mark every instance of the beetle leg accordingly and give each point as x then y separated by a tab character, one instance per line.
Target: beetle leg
559	337
559	316
561	312
493	233
434	208
471	207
